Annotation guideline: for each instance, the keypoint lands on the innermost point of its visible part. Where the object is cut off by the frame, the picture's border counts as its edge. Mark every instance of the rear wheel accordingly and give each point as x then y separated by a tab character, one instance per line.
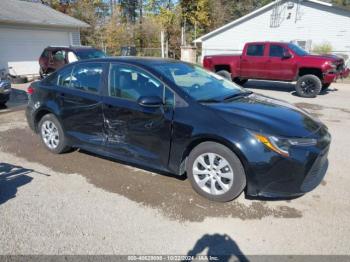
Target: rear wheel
325	86
215	172
224	74
240	81
308	86
52	134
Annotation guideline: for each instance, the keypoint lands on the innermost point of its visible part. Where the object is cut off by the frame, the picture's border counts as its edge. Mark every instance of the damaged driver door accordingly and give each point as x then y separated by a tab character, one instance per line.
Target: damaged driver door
138	113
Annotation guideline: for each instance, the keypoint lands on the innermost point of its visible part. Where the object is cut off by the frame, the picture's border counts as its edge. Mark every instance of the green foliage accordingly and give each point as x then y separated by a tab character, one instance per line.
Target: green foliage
117	23
324	48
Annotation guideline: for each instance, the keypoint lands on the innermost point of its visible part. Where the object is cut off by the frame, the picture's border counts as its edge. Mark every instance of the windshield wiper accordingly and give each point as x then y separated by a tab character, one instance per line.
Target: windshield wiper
210	100
229	97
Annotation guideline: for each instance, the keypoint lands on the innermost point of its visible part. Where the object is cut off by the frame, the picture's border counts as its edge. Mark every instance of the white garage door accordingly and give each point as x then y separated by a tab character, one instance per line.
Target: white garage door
20	49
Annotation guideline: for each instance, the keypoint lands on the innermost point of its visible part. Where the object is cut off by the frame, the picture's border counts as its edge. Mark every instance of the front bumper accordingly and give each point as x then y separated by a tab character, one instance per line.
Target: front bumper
275	176
290	187
334	76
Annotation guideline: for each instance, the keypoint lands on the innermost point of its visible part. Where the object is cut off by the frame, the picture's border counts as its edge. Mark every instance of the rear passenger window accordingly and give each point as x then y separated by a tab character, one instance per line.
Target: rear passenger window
63	77
87	77
256	50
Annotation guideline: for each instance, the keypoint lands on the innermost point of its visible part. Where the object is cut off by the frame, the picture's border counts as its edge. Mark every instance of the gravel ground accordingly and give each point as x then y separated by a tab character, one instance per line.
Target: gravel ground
79	203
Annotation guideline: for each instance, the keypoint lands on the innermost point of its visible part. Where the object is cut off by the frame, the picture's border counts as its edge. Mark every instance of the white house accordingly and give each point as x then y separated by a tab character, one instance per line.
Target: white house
26	28
306	22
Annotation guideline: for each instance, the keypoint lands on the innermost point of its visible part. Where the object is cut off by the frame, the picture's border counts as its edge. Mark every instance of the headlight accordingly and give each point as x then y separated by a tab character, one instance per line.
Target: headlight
331	65
281	145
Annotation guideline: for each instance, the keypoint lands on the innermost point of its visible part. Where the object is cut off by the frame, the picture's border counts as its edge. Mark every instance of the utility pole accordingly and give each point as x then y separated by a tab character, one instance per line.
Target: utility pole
162	43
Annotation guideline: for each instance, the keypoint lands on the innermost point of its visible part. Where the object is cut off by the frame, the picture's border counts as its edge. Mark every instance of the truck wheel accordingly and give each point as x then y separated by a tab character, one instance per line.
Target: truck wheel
308	86
224	74
215	172
325	86
240	81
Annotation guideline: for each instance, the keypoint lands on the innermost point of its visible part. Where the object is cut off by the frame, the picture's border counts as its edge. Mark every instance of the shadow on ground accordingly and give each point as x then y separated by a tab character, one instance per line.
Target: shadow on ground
219	247
11	178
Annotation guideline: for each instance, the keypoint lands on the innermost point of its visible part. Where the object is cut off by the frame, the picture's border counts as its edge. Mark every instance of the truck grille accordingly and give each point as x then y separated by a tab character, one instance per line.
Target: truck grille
340	67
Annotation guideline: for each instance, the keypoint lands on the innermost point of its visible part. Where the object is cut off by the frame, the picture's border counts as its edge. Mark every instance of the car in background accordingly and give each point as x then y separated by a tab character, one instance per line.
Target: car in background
5	90
280	61
5	87
54	57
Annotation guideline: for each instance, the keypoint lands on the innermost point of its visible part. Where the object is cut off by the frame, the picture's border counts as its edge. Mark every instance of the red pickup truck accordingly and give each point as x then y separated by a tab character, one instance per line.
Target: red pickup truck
280	62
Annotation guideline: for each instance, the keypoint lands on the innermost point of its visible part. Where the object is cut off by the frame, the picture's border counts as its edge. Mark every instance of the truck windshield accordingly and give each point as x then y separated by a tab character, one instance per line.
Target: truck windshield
200	84
89	54
298	50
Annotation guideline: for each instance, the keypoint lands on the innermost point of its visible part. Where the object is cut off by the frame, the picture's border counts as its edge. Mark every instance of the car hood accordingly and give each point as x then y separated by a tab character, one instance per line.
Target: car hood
267	115
331	58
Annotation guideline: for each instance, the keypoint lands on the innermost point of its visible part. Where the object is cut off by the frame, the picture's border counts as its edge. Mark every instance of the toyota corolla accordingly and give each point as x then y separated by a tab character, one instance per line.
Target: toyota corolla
179	118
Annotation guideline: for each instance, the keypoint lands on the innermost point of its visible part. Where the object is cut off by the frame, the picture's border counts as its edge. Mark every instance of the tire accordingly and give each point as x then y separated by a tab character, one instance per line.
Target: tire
240	81
224	74
50	122
234	185
308	86
325	86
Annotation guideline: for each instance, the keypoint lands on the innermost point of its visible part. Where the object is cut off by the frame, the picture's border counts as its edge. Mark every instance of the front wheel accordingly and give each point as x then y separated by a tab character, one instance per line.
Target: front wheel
308	86
215	172
52	134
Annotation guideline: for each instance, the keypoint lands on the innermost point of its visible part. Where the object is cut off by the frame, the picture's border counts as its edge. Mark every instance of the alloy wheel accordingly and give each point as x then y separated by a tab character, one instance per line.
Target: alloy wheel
308	86
213	173
50	135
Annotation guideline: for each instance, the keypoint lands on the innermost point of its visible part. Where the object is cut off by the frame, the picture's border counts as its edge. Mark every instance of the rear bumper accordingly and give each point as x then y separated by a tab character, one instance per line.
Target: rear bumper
30	118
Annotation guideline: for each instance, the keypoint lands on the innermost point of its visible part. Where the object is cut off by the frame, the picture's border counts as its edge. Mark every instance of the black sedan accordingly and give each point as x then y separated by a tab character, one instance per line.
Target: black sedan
179	118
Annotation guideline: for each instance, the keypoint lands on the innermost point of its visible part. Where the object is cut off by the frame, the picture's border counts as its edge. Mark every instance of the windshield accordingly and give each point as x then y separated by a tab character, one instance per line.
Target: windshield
89	54
298	50
200	84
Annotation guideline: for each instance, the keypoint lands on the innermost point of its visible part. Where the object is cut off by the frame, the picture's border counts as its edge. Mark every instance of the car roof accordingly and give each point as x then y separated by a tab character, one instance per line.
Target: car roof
146	61
72	48
268	42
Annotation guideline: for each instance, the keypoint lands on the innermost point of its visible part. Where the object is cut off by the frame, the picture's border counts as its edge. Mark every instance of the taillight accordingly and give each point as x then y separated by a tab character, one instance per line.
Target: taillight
207	62
30	90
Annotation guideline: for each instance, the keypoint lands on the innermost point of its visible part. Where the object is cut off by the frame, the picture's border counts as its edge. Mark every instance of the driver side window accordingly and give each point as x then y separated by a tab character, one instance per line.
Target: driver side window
131	83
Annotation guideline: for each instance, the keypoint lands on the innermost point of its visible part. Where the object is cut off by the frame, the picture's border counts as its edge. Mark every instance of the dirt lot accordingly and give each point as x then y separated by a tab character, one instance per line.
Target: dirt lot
79	203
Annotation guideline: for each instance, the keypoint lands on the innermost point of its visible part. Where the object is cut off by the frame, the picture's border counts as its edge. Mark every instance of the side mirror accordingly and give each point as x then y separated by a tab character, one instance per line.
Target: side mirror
286	55
150	101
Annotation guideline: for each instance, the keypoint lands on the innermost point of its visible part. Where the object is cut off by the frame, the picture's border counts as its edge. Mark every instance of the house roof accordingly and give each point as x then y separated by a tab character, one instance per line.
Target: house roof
229	25
23	12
